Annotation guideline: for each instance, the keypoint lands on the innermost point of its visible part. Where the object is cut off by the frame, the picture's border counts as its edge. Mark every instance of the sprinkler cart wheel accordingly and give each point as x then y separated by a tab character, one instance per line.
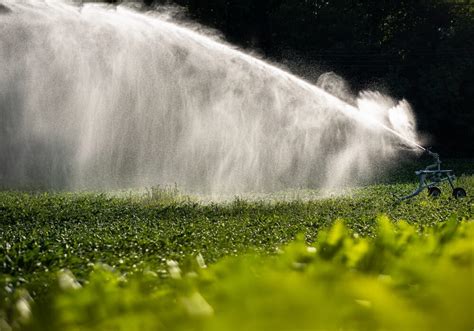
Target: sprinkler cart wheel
459	192
432	176
434	192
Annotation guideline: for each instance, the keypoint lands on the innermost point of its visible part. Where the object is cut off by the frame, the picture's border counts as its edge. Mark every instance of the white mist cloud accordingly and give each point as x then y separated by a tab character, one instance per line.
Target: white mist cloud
102	97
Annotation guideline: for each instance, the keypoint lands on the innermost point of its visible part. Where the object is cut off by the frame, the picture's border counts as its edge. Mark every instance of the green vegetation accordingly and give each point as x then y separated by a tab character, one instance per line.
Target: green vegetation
161	261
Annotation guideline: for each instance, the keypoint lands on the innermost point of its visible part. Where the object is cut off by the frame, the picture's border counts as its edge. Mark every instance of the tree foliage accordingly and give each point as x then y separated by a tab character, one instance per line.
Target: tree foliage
420	50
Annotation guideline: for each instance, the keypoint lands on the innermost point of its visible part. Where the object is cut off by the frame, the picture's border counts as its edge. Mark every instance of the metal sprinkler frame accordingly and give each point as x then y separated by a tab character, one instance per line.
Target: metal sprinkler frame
433	175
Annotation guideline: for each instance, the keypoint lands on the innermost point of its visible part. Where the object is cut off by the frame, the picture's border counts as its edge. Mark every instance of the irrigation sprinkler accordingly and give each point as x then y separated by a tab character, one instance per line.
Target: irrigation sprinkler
432	176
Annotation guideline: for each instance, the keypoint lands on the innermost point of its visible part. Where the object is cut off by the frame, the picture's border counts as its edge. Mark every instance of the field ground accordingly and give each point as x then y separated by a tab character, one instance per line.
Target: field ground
163	261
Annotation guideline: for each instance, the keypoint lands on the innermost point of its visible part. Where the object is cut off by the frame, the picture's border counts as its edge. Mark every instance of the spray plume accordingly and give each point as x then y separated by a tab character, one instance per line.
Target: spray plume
101	97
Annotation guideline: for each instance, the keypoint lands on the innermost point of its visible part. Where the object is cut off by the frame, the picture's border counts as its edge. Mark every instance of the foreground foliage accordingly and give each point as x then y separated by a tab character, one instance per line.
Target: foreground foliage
93	262
398	280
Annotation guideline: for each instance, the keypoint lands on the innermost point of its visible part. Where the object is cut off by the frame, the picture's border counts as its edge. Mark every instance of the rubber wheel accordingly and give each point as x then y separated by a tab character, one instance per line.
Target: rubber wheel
459	192
434	192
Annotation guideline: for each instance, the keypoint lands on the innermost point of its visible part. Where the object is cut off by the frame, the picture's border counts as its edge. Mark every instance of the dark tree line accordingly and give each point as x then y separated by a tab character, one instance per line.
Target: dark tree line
422	50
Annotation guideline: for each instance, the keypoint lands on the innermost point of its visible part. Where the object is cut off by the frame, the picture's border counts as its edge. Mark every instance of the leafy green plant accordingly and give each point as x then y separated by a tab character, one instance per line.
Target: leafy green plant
166	195
329	264
394	281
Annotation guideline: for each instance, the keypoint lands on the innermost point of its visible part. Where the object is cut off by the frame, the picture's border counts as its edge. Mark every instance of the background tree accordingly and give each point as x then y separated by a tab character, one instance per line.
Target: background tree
421	50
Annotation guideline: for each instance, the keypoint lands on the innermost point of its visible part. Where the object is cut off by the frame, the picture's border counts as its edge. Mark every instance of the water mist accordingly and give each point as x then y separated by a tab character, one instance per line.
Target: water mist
98	97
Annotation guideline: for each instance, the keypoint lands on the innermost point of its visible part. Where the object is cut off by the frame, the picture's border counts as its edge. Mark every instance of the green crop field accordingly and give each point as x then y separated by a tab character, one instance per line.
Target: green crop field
162	261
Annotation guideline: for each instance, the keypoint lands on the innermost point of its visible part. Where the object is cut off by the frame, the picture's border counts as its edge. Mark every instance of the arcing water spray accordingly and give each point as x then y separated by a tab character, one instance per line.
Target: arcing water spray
93	97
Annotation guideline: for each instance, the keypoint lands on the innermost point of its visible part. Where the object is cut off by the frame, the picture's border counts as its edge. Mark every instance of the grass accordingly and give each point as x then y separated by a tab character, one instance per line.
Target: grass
288	262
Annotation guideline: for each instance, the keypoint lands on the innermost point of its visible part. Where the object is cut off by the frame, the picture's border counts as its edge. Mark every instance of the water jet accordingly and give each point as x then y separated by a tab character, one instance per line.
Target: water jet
99	98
